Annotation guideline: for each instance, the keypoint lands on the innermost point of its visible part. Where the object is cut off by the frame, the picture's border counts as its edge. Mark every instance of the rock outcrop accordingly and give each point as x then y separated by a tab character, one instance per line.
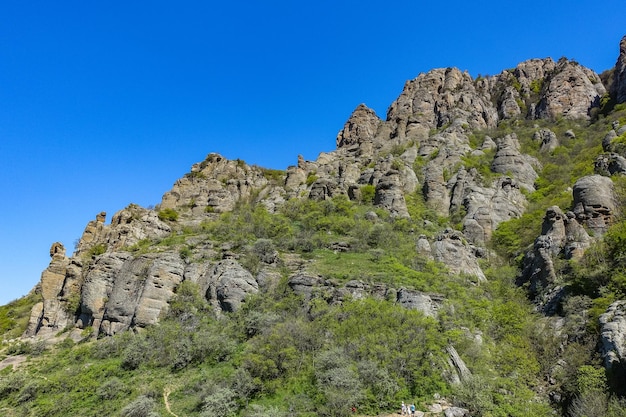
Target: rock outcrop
618	88
594	202
421	147
451	249
509	160
53	314
613	337
571	91
311	287
361	127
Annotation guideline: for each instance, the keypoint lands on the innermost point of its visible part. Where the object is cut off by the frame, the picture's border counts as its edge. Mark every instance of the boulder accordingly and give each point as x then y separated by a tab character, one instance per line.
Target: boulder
415	300
452	249
613	337
610	164
510	161
595	202
456	412
547	140
229	285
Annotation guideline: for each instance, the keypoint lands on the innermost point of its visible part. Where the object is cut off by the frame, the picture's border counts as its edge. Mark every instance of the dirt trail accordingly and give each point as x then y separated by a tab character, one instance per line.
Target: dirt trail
166	397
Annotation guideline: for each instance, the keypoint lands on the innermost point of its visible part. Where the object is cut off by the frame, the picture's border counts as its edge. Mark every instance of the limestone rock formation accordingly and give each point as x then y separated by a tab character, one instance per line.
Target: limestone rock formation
439	98
53	313
452	249
420	147
613	337
360	127
216	185
571	91
509	160
485	206
128	226
618	88
547	139
229	285
610	164
141	291
594	202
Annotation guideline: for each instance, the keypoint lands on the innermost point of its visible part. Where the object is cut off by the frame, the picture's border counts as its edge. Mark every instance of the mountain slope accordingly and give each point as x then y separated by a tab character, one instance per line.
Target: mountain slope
401	266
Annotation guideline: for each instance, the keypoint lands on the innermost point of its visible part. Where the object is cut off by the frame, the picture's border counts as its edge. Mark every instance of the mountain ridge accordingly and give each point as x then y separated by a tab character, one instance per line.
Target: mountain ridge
431	168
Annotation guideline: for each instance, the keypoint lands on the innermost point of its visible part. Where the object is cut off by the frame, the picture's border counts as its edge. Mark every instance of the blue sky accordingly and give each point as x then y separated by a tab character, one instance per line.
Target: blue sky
103	104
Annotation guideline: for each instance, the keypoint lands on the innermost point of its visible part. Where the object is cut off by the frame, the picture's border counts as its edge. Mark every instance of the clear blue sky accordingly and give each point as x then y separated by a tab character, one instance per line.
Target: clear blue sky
103	104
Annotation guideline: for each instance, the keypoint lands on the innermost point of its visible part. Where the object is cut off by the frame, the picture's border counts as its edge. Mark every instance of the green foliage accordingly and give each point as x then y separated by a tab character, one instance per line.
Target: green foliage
14	316
168	214
97	250
274	175
282	354
311	178
368	192
537	85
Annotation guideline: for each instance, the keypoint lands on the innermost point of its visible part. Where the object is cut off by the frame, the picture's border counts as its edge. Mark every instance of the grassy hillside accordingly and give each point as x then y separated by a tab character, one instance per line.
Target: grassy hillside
283	355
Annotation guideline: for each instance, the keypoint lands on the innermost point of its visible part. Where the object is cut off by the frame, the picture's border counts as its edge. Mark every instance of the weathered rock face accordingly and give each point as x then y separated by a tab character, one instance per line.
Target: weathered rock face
128	226
610	164
547	139
594	202
562	236
618	88
571	91
451	249
215	185
509	160
229	284
485	207
437	98
360	127
141	291
51	315
613	337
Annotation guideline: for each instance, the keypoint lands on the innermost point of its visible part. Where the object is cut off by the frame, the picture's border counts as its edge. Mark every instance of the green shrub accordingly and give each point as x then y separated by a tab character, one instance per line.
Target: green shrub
168	214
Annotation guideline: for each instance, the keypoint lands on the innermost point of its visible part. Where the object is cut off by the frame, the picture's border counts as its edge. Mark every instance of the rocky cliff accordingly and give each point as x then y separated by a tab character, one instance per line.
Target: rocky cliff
426	146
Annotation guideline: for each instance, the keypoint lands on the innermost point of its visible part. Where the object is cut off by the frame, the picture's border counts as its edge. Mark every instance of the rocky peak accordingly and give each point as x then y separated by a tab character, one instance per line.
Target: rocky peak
570	91
360	127
436	99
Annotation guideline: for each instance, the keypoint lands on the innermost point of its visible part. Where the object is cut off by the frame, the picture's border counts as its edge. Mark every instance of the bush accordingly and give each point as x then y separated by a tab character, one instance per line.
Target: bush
143	406
168	214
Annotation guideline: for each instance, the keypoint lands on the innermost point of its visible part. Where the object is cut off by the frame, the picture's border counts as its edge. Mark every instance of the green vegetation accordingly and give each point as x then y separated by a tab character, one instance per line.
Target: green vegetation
168	214
282	354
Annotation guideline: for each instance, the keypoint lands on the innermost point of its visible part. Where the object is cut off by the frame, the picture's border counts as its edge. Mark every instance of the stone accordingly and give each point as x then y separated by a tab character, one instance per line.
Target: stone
547	139
415	300
571	91
456	412
613	337
595	202
230	285
509	160
360	127
618	88
610	164
451	249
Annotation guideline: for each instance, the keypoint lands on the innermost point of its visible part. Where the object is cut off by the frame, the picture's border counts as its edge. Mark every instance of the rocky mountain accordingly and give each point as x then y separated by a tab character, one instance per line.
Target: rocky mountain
470	150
